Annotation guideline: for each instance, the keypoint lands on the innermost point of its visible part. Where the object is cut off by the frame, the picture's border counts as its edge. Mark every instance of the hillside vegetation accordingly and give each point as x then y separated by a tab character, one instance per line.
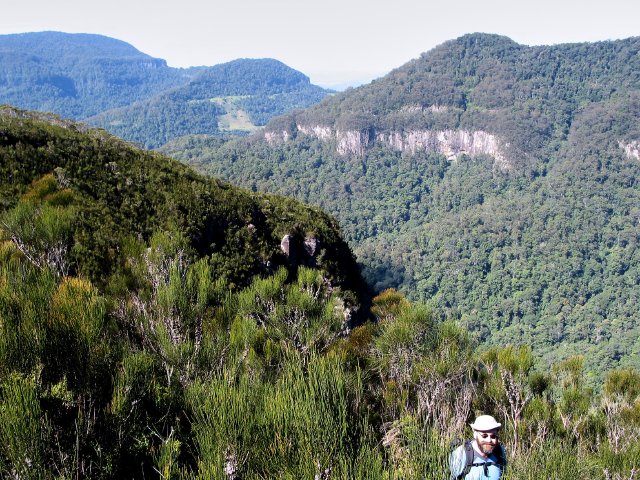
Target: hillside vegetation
235	97
158	324
495	181
78	75
110	84
119	192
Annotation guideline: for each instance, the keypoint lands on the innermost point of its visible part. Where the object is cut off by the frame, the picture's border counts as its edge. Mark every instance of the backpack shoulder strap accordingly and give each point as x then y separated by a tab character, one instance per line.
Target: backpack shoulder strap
501	457
468	451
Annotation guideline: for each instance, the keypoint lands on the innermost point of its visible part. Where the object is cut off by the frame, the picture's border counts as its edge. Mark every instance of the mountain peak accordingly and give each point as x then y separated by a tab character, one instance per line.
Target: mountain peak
59	45
486	39
252	74
474	44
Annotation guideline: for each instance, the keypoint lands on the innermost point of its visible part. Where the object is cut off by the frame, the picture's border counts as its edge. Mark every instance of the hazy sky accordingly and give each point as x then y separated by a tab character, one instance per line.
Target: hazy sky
332	41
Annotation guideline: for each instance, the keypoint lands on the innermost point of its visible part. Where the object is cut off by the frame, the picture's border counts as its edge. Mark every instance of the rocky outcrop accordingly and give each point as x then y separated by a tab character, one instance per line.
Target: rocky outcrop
276	138
352	142
450	143
632	149
311	245
285	244
300	251
319	131
421	109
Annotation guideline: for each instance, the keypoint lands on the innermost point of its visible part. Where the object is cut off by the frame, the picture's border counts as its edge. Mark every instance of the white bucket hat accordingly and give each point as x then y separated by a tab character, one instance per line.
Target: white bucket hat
484	423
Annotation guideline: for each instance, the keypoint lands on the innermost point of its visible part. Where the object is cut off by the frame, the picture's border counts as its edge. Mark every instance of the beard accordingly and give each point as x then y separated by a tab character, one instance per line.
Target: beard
486	448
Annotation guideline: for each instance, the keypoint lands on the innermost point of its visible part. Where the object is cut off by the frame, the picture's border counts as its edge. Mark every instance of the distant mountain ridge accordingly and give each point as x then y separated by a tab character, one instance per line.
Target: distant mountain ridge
113	85
480	83
496	181
234	97
78	75
59	46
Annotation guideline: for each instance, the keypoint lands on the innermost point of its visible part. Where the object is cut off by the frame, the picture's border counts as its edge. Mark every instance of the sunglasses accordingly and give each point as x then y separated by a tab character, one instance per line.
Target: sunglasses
492	436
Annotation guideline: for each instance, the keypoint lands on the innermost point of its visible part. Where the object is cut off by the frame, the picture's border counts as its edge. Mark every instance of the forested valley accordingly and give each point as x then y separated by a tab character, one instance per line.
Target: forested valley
159	324
108	83
493	181
478	256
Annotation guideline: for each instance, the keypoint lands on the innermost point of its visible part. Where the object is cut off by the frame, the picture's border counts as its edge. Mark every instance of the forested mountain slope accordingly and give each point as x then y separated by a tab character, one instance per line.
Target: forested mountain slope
118	193
78	75
494	180
129	283
234	97
110	84
158	323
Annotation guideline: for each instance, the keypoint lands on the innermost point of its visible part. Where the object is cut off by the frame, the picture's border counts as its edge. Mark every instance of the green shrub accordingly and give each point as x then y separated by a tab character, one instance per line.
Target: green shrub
22	428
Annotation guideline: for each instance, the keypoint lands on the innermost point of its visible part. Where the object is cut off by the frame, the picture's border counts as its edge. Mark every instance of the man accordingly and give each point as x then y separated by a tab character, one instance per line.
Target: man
481	458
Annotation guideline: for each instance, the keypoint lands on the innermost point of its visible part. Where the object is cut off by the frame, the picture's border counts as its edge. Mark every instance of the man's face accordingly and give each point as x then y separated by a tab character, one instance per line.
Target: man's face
487	441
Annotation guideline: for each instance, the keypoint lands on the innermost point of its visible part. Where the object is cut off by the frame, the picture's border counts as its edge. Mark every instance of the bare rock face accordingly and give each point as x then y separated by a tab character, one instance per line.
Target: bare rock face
352	142
299	251
311	245
319	131
632	149
450	143
285	245
276	138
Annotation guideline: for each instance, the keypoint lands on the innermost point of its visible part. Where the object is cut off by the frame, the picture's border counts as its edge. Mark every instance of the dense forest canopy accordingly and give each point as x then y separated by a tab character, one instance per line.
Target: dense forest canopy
119	191
158	324
78	75
495	181
231	98
110	84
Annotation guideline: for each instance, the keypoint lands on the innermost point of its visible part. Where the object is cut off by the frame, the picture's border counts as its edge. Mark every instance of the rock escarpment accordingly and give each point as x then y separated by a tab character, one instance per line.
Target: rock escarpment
451	143
631	149
300	251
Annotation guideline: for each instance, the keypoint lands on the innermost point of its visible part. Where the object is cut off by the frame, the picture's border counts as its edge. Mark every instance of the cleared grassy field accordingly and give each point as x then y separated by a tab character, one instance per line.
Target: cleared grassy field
235	119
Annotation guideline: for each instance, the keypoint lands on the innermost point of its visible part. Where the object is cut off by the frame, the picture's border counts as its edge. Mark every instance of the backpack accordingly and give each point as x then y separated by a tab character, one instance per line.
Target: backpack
499	453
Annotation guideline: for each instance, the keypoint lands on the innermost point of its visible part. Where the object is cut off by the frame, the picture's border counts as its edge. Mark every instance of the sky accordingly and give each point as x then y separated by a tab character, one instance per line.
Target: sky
334	42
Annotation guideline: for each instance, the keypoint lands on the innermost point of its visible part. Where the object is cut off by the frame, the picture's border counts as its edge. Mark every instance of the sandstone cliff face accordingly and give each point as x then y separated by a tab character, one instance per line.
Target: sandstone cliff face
632	149
323	133
451	143
275	138
352	142
421	109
